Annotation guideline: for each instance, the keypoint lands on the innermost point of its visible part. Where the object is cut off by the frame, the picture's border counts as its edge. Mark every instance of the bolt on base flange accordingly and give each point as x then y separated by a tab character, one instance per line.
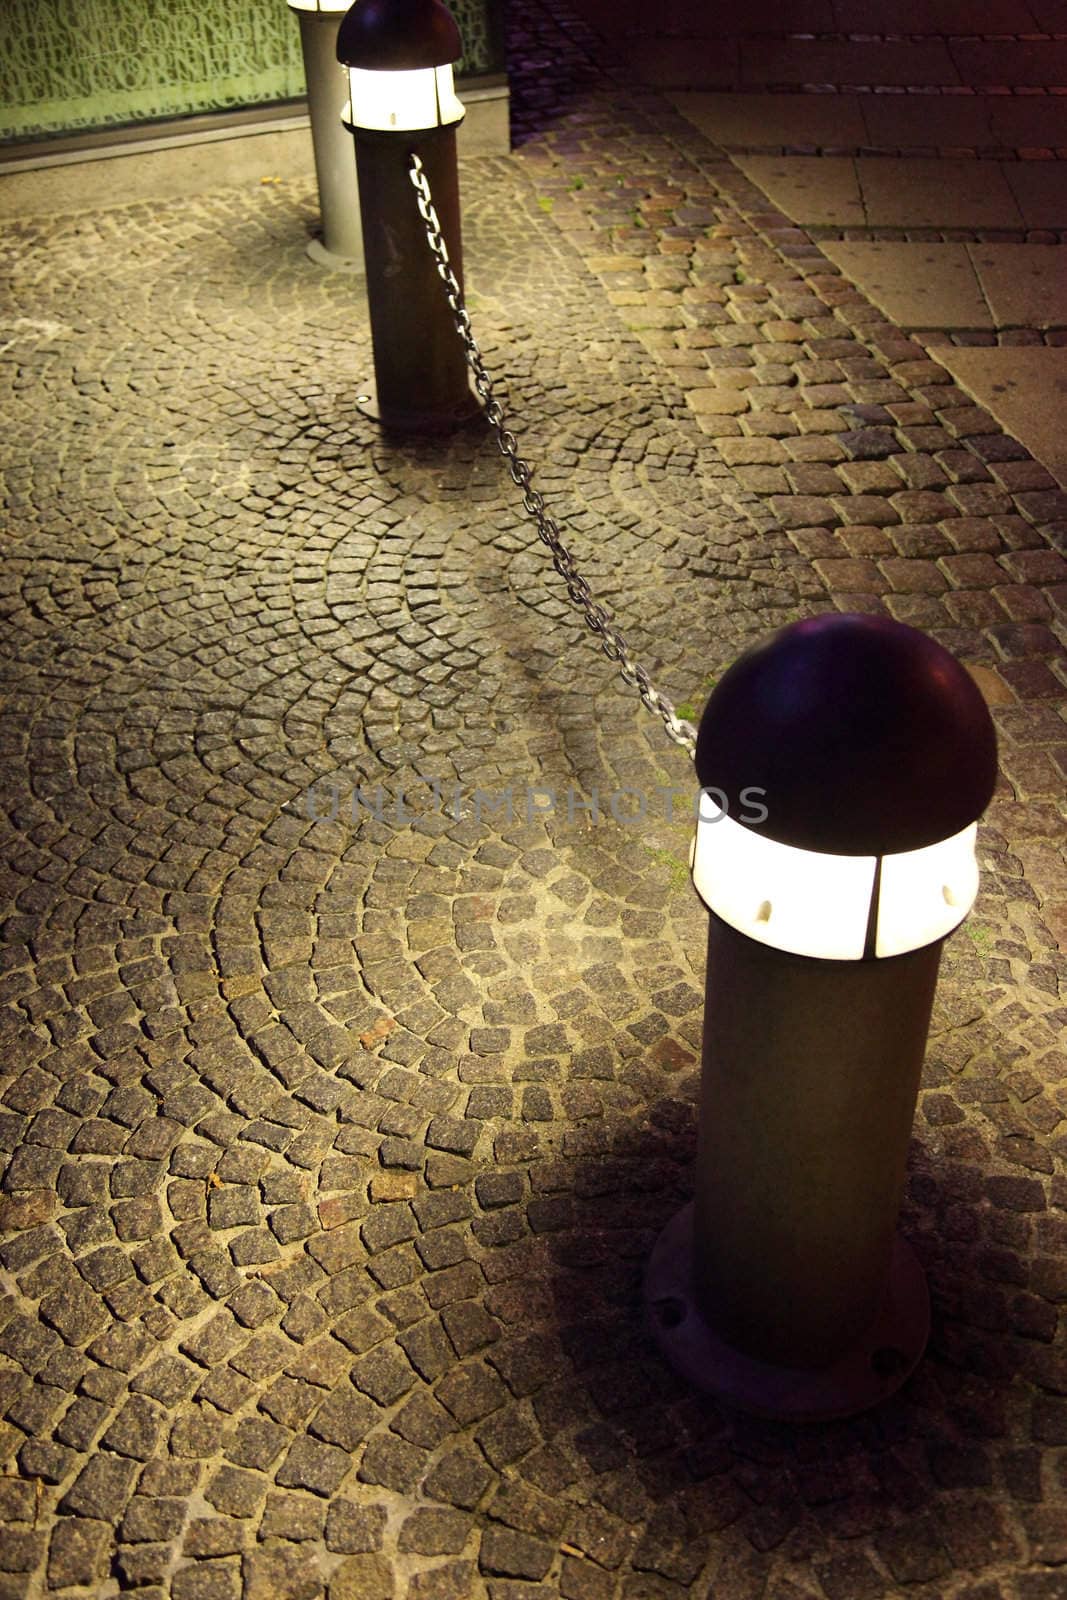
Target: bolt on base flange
872	1369
466	413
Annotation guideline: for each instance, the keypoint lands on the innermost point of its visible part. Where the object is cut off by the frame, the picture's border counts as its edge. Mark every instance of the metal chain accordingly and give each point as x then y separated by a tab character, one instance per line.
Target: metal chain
612	641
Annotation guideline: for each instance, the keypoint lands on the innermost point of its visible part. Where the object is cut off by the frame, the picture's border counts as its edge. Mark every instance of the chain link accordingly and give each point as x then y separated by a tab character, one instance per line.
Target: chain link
612	641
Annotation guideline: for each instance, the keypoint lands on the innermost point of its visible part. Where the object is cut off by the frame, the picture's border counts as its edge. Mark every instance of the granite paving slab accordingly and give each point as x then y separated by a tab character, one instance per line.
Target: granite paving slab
1040	190
845	61
890	122
924	122
957	287
823	193
1029	121
1049	15
944	17
937	194
755	120
887	192
1025	284
697	19
1012	62
916	285
685	62
883	122
1025	390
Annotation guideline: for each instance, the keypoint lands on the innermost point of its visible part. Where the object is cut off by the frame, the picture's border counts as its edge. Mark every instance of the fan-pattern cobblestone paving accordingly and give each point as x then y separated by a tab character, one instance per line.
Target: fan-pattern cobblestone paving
352	979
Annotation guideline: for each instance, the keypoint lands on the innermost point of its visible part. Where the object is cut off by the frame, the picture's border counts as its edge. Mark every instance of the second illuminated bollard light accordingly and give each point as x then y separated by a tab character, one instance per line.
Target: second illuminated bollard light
341	245
843	767
399	55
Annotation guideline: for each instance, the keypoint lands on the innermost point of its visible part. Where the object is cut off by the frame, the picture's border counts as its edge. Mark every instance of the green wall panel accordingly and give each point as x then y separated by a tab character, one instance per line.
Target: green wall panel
69	65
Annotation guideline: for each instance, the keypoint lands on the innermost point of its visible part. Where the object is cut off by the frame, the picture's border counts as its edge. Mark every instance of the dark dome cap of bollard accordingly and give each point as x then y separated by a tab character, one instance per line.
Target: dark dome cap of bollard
867	737
398	36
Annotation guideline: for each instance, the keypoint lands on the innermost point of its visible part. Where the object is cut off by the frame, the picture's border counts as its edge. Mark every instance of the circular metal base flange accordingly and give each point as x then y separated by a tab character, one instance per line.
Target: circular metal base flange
464	415
332	262
871	1370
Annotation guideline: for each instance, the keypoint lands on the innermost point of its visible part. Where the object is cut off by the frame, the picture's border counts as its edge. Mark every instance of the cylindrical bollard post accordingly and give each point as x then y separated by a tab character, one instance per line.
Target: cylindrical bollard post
843	766
399	56
341	244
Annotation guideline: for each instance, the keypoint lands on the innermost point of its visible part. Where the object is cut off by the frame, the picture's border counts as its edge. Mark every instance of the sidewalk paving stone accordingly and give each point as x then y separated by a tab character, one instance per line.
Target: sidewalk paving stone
1033	122
927	193
917	285
698	20
682	62
823	193
928	122
938	194
985	61
789	61
1024	390
1050	15
947	18
1024	284
1040	190
759	120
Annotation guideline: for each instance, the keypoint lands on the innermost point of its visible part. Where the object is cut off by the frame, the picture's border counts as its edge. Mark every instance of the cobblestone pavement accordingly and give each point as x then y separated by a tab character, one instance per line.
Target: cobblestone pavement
921	146
335	1143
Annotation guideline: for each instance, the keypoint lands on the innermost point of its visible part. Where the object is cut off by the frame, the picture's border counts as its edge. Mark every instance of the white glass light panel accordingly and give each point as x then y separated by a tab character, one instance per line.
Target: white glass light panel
798	900
819	905
403	101
926	893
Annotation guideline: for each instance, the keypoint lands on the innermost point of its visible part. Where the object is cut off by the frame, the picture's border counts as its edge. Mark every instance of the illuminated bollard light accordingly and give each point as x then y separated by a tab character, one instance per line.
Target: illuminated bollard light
341	245
843	766
399	55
